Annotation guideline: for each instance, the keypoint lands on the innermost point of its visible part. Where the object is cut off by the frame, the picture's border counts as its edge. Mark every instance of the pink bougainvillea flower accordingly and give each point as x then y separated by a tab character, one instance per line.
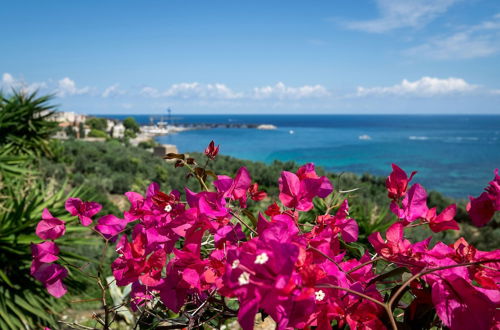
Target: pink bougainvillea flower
255	193
211	151
84	210
481	209
168	203
50	227
272	209
396	247
211	204
228	233
235	189
137	208
307	171
397	182
153	268
140	295
340	223
141	259
414	205
298	192
462	306
281	228
110	226
51	275
45	251
444	221
260	275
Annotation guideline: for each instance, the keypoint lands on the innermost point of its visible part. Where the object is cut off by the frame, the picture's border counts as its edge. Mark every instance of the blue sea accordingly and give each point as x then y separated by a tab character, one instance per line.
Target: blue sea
455	155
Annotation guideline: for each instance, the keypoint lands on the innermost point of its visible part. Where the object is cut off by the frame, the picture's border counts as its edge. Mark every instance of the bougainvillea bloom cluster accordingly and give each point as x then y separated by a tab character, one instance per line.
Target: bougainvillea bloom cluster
203	247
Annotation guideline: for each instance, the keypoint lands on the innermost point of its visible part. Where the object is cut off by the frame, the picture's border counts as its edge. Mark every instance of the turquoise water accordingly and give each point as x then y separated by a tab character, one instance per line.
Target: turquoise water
455	155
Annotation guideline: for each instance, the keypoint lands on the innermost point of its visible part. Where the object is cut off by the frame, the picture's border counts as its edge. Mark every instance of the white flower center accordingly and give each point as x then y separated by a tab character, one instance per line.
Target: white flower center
235	264
244	278
262	258
168	208
320	295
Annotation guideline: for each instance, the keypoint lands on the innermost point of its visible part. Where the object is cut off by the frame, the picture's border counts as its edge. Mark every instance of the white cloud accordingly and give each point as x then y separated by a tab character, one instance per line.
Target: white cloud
281	91
395	14
424	87
212	91
10	83
474	41
112	90
66	86
193	90
218	91
150	92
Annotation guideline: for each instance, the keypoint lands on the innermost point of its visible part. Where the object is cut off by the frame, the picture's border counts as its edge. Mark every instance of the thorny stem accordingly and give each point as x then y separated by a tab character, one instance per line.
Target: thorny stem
362	295
105	305
77	268
243	223
200	179
364	264
74	324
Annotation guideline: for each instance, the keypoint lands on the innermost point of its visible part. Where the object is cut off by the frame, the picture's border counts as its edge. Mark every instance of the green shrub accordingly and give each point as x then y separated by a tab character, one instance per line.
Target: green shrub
98	133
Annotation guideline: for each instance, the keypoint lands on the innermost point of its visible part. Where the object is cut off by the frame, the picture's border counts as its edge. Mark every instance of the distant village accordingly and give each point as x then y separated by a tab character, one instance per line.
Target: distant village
74	125
77	126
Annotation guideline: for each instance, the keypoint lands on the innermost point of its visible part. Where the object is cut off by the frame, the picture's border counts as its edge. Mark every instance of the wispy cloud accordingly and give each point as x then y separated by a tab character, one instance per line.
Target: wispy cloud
424	87
468	42
9	83
280	91
219	91
193	90
395	14
113	90
67	87
62	88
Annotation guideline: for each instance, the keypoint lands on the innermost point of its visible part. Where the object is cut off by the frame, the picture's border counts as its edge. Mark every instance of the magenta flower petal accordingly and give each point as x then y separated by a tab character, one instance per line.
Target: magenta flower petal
481	209
444	221
45	251
223	184
242	182
415	203
84	210
72	205
461	306
51	275
289	185
110	226
397	182
50	227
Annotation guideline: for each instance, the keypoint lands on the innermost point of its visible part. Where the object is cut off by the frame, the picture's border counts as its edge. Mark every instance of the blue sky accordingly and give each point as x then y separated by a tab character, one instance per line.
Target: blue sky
382	56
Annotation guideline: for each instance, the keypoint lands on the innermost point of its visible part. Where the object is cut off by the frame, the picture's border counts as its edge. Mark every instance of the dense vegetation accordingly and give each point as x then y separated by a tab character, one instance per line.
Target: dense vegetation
112	168
24	138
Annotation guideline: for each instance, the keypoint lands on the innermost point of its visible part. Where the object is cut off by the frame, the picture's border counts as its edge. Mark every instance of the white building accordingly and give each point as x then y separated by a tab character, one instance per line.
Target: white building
69	117
118	130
